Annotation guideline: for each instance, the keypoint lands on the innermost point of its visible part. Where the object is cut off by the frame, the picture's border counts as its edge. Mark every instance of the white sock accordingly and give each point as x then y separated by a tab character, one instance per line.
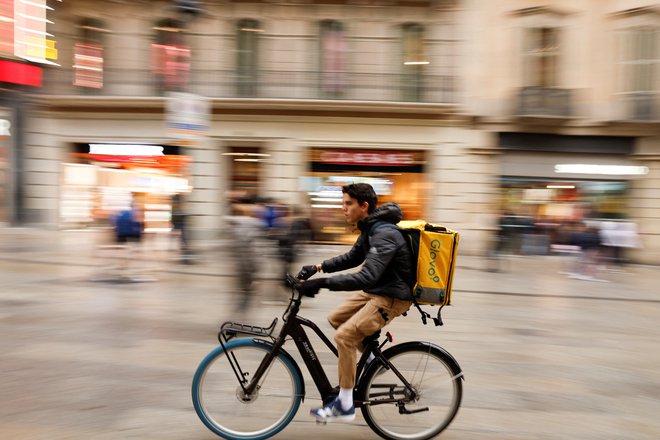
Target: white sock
346	398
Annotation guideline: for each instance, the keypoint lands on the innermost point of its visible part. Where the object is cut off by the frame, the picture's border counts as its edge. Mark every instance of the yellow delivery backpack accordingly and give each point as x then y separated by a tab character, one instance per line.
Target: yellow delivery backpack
434	249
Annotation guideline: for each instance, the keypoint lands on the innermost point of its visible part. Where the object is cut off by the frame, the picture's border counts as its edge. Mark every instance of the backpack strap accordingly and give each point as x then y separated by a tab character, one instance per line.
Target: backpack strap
424	315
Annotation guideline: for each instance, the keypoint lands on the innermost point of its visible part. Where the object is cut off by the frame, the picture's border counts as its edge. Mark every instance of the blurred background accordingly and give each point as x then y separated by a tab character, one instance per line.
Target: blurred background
462	111
163	163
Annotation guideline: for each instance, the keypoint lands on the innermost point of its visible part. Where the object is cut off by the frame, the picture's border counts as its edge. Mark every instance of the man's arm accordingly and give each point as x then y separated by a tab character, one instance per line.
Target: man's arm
384	246
350	259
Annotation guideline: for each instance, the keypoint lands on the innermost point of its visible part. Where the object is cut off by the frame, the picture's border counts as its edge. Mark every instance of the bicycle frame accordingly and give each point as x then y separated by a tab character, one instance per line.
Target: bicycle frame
294	327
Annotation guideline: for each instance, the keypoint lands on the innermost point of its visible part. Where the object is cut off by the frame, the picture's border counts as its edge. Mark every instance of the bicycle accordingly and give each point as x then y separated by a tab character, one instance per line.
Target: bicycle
250	388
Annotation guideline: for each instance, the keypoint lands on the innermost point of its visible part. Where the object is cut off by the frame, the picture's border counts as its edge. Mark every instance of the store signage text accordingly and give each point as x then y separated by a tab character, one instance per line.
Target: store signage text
367	158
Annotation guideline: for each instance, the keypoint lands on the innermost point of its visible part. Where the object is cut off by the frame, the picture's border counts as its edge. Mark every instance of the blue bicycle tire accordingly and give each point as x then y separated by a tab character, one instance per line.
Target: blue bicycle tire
285	363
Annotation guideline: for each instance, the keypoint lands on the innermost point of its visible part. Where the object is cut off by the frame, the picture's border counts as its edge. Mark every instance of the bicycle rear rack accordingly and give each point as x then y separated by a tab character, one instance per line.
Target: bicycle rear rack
231	329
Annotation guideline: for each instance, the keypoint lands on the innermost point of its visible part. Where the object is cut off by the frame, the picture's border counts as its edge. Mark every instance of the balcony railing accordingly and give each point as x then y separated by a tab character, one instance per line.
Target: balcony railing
544	102
642	106
269	85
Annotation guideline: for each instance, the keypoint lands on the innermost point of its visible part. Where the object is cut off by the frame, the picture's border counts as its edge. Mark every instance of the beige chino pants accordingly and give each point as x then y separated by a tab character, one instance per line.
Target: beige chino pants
360	316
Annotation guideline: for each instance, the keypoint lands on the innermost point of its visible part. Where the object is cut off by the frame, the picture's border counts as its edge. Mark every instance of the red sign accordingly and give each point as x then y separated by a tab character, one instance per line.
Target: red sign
18	73
373	158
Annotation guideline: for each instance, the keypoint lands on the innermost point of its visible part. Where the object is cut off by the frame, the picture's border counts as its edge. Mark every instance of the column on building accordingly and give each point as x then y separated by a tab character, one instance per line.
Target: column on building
644	204
41	158
283	169
207	198
463	178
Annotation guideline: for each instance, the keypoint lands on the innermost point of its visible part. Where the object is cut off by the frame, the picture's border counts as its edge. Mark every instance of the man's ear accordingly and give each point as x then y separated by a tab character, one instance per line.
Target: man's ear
365	205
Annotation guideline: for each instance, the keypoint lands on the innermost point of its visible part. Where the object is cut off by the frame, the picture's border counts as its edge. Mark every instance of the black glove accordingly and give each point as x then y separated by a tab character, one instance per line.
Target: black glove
312	287
306	272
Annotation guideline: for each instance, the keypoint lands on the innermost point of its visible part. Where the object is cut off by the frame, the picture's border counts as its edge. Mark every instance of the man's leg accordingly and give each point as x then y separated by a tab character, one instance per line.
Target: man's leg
348	308
361	315
373	316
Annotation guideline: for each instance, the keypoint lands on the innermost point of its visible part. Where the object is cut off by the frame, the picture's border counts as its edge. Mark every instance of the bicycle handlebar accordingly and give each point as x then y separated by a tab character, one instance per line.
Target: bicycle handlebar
292	281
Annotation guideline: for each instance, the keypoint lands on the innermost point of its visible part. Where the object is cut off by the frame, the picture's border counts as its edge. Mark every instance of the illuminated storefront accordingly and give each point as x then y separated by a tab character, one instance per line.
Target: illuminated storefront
563	200
566	177
396	175
102	179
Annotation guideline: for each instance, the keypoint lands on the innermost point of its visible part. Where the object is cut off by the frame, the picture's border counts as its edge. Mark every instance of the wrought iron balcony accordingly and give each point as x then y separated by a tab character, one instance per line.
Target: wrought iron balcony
544	102
642	106
265	85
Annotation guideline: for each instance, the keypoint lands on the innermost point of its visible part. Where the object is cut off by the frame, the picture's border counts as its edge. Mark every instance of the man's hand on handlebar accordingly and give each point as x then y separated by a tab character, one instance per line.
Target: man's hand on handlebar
311	287
307	271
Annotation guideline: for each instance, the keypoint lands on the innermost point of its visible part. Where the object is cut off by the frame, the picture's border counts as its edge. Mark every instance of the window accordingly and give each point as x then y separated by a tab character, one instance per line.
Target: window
541	57
88	54
247	50
170	56
641	67
7	27
332	62
414	62
245	170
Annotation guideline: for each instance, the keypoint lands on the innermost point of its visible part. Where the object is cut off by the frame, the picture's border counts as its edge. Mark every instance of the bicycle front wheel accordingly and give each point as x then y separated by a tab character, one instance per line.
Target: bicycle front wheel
219	399
397	413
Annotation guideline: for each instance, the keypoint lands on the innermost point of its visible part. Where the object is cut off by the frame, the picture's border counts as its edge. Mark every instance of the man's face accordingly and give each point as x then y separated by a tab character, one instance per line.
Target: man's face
353	211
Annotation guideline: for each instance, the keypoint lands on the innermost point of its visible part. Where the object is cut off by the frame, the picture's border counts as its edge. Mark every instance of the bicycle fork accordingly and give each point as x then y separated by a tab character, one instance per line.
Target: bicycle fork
249	385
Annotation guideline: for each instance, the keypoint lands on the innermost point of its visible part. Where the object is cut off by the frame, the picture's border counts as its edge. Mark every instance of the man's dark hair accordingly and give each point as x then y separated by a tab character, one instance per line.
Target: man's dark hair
362	192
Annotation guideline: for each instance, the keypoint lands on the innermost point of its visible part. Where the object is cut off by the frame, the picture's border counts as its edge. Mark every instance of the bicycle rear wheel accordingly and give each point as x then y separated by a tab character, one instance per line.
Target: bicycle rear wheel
219	399
436	379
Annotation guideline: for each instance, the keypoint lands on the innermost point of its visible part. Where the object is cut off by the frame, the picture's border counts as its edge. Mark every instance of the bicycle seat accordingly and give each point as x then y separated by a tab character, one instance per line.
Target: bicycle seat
371	339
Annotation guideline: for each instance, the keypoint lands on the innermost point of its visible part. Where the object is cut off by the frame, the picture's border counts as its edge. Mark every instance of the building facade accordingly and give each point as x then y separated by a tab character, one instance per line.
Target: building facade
458	110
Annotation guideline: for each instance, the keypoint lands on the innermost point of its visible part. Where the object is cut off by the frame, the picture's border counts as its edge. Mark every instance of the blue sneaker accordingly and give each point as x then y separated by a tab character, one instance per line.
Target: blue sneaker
333	411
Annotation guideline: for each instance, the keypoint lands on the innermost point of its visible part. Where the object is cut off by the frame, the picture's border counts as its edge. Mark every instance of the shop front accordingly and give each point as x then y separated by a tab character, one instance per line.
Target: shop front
543	195
396	175
100	180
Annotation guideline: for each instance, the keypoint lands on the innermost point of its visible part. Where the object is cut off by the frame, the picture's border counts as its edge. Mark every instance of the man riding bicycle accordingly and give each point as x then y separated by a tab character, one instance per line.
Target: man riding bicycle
383	293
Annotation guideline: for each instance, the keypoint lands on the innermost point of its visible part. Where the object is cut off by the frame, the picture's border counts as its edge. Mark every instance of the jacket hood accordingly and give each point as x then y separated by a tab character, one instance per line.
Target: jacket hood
388	212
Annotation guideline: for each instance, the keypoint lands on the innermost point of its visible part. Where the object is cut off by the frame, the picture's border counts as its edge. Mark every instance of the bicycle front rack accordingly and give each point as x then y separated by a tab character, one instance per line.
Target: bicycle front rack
231	329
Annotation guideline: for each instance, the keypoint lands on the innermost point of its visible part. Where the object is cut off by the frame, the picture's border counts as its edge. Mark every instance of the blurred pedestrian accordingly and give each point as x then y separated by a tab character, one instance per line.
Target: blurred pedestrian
129	229
180	227
618	237
588	239
502	241
244	229
629	239
292	229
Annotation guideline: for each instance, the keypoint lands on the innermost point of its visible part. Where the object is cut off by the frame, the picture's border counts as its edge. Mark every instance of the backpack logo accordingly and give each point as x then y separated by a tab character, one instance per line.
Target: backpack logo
433	255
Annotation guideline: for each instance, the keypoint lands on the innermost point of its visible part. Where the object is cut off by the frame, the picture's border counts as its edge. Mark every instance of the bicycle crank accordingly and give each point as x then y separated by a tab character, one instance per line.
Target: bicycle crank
404	410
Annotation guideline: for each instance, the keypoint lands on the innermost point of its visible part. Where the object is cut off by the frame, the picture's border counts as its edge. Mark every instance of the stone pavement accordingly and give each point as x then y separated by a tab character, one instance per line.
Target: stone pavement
545	356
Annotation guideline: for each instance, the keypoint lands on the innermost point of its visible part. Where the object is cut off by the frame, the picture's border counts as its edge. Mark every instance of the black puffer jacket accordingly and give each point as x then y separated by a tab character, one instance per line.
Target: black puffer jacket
386	257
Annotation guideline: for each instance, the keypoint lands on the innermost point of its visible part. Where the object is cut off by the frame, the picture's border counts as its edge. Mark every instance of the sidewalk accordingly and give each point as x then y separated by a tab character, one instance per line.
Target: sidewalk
520	275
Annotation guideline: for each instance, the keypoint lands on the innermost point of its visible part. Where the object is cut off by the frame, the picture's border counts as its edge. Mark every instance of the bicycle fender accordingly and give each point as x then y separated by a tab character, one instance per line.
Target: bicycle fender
288	357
